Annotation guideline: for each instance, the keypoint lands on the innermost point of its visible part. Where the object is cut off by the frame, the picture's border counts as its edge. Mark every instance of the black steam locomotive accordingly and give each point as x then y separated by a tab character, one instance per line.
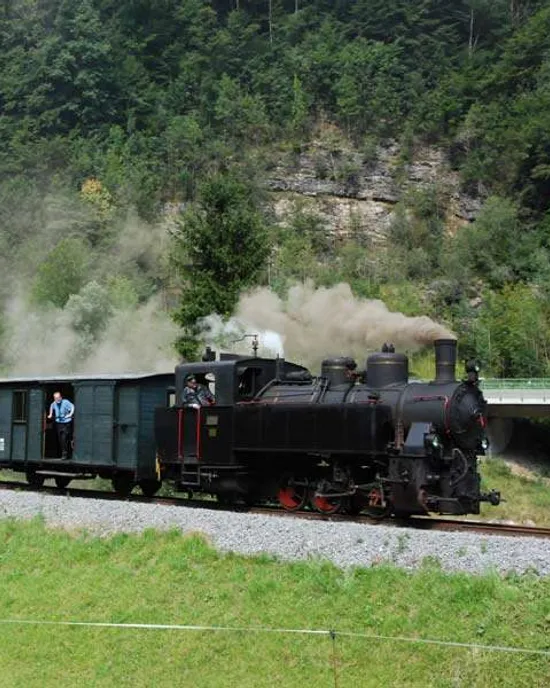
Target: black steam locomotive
371	441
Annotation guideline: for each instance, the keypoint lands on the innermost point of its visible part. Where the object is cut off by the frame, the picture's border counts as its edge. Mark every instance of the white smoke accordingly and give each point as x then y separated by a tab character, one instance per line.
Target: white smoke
313	323
109	326
46	342
237	336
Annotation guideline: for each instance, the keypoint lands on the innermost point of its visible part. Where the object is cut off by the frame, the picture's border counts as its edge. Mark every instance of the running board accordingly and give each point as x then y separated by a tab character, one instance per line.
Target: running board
63	474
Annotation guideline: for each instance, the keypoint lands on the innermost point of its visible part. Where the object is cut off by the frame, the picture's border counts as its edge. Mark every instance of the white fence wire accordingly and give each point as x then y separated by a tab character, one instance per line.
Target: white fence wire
331	633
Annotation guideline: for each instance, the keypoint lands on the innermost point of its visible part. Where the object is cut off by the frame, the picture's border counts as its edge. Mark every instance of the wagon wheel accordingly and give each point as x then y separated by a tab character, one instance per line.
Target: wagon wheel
376	504
62	481
150	487
292	493
122	485
34	479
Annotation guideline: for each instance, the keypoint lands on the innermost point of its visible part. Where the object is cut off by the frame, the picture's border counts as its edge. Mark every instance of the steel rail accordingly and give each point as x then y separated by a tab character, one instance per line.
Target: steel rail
414	522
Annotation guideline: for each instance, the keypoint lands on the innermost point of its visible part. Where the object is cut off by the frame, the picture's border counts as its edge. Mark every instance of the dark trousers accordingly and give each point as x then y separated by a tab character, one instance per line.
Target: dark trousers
64	437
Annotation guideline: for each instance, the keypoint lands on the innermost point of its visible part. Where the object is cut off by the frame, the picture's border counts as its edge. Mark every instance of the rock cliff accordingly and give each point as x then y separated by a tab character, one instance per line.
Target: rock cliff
354	192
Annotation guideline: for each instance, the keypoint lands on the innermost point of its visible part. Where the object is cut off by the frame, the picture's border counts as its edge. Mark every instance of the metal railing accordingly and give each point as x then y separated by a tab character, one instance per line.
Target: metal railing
515	383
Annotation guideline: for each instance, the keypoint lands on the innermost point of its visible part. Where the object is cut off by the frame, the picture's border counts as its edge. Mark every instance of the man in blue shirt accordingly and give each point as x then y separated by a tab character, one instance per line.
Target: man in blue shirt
63	411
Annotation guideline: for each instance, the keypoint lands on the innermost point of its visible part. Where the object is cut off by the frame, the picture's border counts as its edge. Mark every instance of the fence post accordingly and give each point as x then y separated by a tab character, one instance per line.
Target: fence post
332	634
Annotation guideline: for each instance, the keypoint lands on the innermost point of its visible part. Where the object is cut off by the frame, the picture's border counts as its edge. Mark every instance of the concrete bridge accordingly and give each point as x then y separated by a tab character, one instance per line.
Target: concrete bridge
513	398
517	398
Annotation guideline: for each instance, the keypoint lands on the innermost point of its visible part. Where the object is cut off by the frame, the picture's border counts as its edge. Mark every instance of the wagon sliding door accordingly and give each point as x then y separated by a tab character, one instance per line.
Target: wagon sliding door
94	417
126	426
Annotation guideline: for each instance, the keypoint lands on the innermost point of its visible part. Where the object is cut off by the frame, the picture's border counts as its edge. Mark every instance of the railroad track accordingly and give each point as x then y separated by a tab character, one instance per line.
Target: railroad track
465	525
416	522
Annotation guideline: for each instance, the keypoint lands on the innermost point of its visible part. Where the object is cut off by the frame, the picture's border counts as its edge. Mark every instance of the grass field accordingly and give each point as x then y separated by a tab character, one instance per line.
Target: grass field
526	499
171	579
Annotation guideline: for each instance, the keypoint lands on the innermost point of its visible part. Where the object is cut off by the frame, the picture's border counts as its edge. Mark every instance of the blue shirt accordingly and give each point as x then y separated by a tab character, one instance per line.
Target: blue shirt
61	409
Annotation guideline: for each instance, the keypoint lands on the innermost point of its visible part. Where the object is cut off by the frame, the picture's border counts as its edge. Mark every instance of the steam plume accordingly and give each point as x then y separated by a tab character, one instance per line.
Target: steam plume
315	323
45	342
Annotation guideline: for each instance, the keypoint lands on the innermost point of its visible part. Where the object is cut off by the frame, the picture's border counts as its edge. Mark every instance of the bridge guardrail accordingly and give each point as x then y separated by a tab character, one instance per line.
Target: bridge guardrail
515	383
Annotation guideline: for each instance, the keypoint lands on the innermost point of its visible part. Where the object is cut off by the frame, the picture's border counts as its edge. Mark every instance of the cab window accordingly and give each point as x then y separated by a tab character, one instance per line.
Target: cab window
249	382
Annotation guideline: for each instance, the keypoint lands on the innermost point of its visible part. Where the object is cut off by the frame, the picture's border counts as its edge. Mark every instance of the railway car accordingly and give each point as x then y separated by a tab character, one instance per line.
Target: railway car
371	441
113	434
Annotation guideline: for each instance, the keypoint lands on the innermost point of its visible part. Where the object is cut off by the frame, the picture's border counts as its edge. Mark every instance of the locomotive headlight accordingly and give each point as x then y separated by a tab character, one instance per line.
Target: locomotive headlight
432	443
485	444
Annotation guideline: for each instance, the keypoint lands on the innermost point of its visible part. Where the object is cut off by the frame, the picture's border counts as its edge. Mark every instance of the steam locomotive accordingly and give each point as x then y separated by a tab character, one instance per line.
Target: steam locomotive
371	441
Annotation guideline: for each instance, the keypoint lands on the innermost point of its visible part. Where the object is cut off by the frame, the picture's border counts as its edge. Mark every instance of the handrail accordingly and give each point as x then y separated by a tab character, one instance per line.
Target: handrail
515	383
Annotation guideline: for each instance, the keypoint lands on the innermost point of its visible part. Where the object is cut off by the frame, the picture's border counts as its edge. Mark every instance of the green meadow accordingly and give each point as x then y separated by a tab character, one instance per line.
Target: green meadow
166	578
526	498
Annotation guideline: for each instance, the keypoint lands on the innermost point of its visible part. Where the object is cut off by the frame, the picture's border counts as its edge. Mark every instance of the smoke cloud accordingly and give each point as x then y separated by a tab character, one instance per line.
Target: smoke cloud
113	324
312	324
48	343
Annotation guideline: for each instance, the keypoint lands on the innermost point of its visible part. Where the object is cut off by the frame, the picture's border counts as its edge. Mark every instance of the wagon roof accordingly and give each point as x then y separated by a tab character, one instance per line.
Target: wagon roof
99	377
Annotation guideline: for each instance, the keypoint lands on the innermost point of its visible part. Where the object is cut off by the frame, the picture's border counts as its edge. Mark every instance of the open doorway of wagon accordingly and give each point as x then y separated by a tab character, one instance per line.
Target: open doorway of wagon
51	446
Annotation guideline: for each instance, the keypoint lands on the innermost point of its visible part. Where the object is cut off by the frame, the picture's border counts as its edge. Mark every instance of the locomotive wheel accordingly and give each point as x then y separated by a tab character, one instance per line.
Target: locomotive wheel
374	505
149	488
326	505
122	485
62	481
34	479
292	494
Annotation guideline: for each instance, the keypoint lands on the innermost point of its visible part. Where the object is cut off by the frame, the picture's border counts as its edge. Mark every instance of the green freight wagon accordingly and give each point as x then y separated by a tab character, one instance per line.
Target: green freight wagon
112	434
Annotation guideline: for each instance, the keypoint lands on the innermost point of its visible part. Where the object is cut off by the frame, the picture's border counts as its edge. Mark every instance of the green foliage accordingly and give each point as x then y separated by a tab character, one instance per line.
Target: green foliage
511	332
62	273
371	94
497	247
123	105
221	248
90	310
122	294
417	232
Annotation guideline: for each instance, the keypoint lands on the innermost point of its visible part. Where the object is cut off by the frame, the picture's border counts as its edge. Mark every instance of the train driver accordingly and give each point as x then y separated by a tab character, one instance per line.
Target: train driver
196	395
63	410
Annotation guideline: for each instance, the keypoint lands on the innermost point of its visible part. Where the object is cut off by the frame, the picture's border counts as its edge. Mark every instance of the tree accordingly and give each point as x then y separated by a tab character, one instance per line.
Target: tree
90	310
221	247
62	273
510	333
63	78
497	247
371	90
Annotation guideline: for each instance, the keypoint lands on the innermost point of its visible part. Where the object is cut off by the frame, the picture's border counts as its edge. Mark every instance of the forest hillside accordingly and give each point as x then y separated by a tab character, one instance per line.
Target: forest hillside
159	158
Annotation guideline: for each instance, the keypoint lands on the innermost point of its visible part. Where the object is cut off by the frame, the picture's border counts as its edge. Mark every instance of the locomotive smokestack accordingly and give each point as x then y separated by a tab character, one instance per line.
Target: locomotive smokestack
445	360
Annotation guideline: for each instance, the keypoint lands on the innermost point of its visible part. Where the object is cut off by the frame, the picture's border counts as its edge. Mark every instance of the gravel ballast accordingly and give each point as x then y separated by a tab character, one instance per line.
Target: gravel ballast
345	544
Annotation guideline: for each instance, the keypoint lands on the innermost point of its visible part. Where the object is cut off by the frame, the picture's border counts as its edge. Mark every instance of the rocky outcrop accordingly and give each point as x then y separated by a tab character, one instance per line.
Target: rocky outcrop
354	192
